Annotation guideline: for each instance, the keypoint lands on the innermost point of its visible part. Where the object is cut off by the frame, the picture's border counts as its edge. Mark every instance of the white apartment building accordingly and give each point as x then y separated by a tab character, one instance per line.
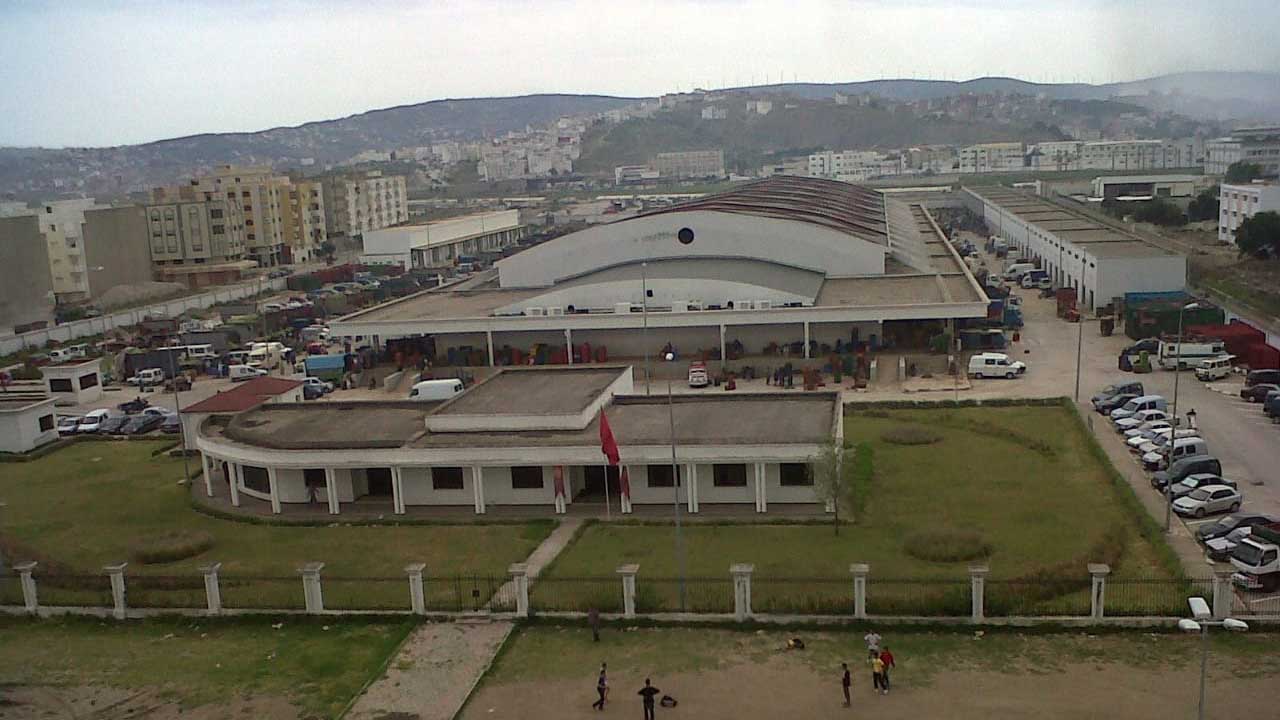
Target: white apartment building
545	162
1243	201
690	164
357	203
992	157
502	164
1221	154
1056	155
847	163
711	112
1142	154
440	243
62	223
629	174
1260	146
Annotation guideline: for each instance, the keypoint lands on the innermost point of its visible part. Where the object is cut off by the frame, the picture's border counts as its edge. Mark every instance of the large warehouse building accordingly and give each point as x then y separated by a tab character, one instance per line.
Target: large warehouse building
789	262
1099	262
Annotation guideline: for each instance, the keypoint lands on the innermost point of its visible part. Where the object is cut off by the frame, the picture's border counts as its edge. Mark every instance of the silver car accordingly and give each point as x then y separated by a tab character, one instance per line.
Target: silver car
1208	499
1199	480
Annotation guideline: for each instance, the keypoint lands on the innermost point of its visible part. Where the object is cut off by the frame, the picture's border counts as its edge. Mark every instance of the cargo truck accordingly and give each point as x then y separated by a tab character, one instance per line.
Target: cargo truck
326	367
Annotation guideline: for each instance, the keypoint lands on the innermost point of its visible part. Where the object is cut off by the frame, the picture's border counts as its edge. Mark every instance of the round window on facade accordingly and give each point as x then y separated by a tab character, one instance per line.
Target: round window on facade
685	236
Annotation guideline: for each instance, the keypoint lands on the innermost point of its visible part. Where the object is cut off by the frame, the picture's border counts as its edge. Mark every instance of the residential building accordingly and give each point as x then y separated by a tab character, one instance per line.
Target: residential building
440	243
711	112
759	107
1056	155
116	249
357	203
992	157
1221	154
1260	146
302	220
1145	186
62	224
262	197
26	295
853	164
936	159
544	162
1122	155
787	166
1240	202
27	421
690	164
503	163
631	174
197	237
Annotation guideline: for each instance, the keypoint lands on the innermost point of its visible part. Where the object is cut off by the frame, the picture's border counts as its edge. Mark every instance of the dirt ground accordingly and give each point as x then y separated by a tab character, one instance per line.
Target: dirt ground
785	687
100	703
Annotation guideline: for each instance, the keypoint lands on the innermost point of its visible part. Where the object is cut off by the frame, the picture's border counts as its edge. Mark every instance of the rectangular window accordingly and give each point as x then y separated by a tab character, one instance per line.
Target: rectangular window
660	476
729	475
795	475
215	213
46	423
60	385
446	478
88	381
256	479
526	477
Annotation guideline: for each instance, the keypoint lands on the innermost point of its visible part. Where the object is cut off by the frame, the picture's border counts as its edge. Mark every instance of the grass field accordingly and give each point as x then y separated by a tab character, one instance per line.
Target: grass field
316	667
1049	509
90	504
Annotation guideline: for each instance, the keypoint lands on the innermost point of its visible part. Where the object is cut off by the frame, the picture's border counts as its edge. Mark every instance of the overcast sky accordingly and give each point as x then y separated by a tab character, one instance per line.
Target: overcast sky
109	73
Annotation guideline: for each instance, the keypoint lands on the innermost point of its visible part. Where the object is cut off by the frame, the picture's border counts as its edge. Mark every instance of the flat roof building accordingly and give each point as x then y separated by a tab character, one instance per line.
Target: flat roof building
439	243
1145	186
26	421
1239	202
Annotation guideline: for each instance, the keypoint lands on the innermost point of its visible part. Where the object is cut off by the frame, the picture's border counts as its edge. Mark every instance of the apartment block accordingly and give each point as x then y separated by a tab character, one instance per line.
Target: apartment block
992	157
262	198
1056	155
356	203
1240	202
1257	146
26	295
302	220
690	164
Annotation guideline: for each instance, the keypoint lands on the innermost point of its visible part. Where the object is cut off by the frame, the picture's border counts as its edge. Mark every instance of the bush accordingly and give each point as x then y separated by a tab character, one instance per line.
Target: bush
171	546
910	435
947	545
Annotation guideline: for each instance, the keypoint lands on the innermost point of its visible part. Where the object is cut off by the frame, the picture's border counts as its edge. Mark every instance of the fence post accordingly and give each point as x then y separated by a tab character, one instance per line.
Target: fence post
311	594
520	576
417	596
116	573
1224	596
30	600
741	590
212	590
628	573
860	571
1098	572
977	588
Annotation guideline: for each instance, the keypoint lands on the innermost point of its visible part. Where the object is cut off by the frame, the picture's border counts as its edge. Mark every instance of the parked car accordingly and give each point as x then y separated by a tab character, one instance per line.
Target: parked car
1140	418
67	424
1162	438
1225	525
1184	467
1215	368
321	385
171	424
1258	393
1148	429
311	392
244	372
92	420
1257	377
1208	500
1271	405
995	365
147	377
114	425
1124	388
1219	549
135	405
272	307
159	411
1115	401
1181	447
1144	402
141	424
278	274
1191	482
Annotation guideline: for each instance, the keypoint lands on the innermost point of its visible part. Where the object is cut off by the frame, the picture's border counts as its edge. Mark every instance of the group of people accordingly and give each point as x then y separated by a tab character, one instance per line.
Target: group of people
881	662
647	694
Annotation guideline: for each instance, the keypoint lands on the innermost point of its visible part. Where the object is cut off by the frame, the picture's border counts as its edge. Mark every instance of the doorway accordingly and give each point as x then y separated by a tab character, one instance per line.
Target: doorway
379	481
594	483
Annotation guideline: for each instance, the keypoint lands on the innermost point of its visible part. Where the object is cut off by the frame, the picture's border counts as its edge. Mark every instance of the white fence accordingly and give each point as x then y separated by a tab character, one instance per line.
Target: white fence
168	308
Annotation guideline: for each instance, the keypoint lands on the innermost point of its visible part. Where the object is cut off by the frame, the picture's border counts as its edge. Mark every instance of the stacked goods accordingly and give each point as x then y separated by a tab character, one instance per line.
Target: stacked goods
1156	316
1246	342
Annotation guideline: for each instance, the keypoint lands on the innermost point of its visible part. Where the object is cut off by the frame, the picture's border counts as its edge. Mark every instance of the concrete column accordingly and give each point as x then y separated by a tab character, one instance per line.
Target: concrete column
692	490
628	573
331	491
520	578
311	587
477	485
397	490
860	571
116	573
237	477
724	357
212	590
626	499
275	490
977	589
417	594
568	343
1098	589
488	338
30	599
806	339
762	500
1224	596
206	465
741	590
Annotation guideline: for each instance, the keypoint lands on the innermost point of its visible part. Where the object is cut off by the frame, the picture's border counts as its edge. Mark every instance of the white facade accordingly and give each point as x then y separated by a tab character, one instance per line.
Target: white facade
1221	154
439	243
848	165
359	203
690	164
74	383
62	224
992	157
26	424
1057	156
1241	202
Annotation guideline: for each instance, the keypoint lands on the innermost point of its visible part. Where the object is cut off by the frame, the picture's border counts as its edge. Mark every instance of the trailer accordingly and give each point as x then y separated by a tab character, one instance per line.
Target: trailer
326	367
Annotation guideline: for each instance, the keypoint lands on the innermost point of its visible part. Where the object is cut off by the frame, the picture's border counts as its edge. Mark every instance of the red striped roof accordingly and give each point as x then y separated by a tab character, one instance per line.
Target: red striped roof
244	396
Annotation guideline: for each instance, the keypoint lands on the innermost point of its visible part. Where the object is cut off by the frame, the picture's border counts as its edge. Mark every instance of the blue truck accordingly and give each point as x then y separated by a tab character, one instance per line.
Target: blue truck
326	367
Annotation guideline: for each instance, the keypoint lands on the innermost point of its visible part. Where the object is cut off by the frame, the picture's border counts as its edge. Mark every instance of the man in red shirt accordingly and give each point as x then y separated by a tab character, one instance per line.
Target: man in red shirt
886	657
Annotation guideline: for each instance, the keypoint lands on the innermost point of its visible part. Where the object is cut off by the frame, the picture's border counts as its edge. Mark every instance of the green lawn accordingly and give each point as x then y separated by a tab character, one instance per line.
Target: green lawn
89	504
319	666
1037	510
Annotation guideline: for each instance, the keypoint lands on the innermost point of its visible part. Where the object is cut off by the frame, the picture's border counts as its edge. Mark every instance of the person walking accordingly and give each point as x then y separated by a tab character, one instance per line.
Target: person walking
877	673
886	657
593	619
602	687
845	681
647	694
872	638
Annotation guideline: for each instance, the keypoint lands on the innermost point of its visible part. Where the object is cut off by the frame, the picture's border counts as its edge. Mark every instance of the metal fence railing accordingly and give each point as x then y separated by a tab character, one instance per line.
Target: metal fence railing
1153	596
802	595
944	597
74	590
701	595
269	592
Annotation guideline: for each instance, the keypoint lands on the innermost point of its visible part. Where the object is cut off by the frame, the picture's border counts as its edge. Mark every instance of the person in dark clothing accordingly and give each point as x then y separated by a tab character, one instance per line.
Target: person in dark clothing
602	687
886	657
845	682
593	619
646	694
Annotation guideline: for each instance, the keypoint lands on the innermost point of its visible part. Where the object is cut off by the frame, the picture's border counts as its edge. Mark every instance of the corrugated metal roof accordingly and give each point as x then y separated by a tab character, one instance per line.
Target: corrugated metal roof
829	203
245	396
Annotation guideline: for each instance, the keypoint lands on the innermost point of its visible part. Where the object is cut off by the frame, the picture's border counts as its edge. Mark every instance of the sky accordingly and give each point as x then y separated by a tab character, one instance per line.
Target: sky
101	73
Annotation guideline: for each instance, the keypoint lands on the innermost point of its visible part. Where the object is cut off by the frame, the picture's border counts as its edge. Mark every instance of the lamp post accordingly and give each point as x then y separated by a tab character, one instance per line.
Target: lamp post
1200	622
177	408
1173	430
644	318
675	481
1080	322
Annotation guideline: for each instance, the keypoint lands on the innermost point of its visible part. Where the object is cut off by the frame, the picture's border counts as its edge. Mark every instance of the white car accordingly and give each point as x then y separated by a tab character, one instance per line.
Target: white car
67	425
272	307
318	384
1138	418
1220	547
1157	443
159	411
1148	429
91	421
1209	499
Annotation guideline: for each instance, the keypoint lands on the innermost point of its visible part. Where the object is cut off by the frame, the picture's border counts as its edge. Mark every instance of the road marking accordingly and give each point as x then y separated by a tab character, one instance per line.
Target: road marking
1197	523
1257	601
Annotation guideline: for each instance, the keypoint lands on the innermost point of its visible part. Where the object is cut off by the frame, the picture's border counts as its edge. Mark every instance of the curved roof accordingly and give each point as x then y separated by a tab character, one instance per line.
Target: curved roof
829	203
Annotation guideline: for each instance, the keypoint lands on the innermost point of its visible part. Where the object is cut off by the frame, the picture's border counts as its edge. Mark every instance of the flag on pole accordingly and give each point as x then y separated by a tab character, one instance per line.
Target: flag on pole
559	480
625	481
608	445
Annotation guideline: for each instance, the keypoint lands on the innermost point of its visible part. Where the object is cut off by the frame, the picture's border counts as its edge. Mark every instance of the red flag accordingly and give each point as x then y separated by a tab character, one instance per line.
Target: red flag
626	484
608	445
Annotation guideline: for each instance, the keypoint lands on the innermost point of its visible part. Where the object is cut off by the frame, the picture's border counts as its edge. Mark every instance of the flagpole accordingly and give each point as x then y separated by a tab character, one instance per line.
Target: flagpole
608	511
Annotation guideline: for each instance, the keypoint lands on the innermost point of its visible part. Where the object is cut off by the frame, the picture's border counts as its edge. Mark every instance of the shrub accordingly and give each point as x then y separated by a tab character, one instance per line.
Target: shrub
171	546
910	435
947	545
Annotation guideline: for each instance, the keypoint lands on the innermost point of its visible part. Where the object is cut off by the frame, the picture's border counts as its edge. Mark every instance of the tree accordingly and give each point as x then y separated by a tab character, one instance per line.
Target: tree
1243	172
1206	205
1259	235
832	480
1159	212
327	249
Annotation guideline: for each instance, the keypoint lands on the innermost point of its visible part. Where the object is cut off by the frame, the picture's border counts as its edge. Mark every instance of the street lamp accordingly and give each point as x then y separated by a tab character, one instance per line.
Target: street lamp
675	481
1201	624
644	318
1173	429
1080	322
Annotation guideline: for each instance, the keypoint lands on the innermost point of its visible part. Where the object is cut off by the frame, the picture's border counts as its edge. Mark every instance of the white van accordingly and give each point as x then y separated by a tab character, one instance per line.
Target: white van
1014	272
1182	447
429	390
1215	368
244	372
201	352
995	365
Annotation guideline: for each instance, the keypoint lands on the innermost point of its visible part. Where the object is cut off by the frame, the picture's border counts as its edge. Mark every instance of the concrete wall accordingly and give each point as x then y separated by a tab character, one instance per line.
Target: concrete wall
115	240
498	490
75	374
666	291
26	293
20	430
418	489
643	494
